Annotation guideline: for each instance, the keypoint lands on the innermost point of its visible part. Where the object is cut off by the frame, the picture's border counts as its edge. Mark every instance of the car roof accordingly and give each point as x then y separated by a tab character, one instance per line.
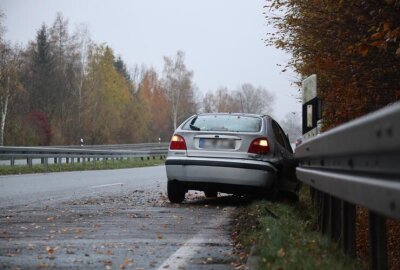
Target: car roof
238	114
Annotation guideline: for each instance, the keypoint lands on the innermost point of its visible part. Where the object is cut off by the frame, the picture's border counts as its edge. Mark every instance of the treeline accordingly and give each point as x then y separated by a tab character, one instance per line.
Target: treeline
63	87
246	98
352	46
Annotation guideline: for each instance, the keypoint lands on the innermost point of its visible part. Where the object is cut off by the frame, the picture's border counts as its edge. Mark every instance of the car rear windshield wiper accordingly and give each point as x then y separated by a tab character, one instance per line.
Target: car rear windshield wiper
193	127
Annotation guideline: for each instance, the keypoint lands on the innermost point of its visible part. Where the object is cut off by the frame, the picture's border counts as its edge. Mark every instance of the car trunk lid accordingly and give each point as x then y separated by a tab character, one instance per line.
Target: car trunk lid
219	145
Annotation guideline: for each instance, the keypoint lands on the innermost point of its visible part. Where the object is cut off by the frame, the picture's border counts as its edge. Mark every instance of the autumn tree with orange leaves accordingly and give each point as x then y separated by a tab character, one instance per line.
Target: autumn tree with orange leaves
353	47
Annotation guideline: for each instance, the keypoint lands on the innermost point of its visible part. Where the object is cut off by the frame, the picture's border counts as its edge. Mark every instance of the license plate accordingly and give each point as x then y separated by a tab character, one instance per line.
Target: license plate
216	143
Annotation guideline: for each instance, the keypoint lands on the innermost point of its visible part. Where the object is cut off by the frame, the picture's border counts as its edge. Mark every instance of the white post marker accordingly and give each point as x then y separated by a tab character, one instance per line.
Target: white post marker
311	117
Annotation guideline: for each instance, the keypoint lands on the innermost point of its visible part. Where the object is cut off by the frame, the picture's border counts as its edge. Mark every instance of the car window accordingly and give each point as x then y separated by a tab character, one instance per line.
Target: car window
281	136
278	134
287	143
224	122
285	138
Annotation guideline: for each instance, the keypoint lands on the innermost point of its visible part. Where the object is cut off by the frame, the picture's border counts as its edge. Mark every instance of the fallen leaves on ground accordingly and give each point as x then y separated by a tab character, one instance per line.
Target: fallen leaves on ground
281	253
51	250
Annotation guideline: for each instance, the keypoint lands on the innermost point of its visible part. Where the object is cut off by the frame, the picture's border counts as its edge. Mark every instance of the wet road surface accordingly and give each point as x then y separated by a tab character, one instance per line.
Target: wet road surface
117	219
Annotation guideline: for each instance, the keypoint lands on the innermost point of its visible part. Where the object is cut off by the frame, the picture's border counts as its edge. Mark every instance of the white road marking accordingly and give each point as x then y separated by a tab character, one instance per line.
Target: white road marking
181	257
108	185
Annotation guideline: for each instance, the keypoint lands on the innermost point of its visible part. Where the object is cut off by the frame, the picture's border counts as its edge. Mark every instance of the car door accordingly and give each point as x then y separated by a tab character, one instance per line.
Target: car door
287	164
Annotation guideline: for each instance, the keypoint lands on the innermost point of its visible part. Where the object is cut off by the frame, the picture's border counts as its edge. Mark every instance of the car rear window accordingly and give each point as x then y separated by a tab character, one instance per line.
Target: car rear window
233	123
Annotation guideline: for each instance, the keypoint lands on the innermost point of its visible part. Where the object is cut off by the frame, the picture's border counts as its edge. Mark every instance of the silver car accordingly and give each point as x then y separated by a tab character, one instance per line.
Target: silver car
230	153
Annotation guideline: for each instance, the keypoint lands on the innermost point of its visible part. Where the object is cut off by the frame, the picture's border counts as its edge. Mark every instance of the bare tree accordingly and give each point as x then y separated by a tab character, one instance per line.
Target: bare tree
222	100
82	43
60	38
137	74
247	99
9	81
255	100
2	28
177	82
209	103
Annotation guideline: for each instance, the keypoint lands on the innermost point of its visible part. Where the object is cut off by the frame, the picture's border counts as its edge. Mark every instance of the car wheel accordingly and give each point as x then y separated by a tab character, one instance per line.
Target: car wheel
210	193
176	193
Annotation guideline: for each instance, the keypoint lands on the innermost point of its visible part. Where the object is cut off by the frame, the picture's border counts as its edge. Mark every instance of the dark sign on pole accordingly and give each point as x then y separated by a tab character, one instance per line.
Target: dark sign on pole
310	115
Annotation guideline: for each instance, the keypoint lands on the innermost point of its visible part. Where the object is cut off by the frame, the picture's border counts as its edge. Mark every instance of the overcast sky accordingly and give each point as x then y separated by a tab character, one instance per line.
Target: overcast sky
222	39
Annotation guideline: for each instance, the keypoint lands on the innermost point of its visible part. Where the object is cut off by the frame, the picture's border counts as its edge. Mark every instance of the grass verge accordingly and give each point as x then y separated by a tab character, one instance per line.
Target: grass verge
282	235
98	165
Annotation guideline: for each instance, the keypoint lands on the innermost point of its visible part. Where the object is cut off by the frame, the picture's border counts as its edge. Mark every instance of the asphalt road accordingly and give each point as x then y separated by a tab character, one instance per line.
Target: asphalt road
110	219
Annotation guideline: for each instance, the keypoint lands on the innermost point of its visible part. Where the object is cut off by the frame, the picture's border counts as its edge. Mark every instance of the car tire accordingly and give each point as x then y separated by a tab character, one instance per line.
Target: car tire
176	193
210	193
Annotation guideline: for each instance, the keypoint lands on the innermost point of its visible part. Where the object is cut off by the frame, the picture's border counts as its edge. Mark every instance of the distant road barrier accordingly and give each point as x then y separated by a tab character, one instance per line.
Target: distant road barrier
357	163
82	154
138	146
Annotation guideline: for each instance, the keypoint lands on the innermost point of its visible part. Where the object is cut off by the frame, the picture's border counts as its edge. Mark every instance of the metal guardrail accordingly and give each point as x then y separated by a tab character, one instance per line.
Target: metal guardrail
78	154
357	163
143	146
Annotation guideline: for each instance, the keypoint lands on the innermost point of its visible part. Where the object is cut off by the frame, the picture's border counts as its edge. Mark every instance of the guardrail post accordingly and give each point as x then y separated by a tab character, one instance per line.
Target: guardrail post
325	213
12	162
46	163
42	161
334	218
313	195
318	208
55	160
67	160
348	228
78	160
72	160
377	242
29	162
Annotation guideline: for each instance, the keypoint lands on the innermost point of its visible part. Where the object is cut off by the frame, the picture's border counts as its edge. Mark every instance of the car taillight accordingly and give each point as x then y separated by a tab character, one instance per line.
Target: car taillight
177	143
259	146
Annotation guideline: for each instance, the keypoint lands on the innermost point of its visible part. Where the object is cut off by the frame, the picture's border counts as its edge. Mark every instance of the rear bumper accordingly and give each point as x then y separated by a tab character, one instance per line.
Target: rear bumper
221	172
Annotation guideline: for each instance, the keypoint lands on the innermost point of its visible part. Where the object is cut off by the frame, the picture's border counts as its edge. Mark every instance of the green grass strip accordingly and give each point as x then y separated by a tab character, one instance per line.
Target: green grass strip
88	165
283	236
